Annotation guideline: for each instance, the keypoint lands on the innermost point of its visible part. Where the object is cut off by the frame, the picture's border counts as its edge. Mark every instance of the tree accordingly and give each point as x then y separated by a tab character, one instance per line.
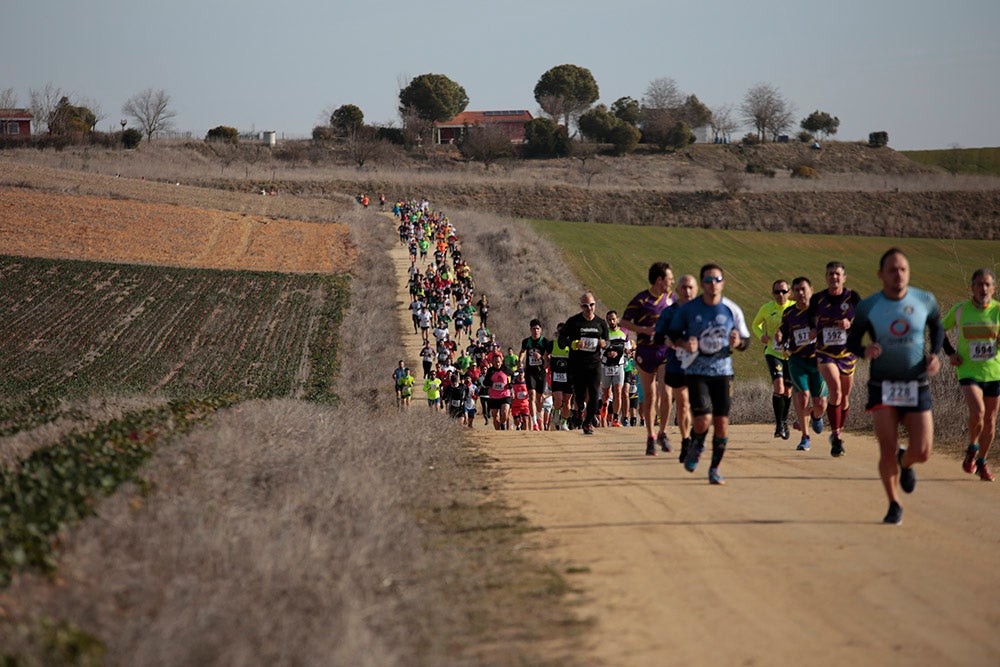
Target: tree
417	131
628	110
597	124
43	103
662	94
723	122
223	133
544	138
766	110
623	138
822	122
68	119
694	112
8	99
346	119
566	91
364	146
433	97
485	143
151	111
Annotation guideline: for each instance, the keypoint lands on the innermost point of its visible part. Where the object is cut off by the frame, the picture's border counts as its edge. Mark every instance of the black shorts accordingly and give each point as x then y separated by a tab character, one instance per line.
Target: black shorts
990	389
778	368
876	401
535	381
674	380
498	403
710	394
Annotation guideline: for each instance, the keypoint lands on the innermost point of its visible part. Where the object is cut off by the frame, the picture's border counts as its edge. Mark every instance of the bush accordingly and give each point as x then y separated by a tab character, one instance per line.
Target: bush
624	138
804	171
544	138
750	139
393	135
223	133
754	168
323	133
878	139
805	137
732	181
131	138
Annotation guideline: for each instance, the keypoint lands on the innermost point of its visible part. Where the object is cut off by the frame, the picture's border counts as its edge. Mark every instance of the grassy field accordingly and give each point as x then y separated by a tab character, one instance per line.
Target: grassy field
974	161
612	261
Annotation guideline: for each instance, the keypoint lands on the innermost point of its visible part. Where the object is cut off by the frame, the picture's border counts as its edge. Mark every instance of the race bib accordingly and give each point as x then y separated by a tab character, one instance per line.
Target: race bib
457	402
900	394
803	337
534	359
560	377
611	371
499	386
982	350
775	345
587	344
521	395
834	336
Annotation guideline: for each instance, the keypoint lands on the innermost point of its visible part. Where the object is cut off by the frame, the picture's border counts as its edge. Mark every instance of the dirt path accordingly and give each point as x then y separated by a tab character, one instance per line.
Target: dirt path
788	563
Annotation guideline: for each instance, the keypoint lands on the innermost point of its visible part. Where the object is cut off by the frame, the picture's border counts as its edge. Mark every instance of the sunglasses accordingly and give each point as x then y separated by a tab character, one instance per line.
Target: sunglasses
587	305
780	291
708	280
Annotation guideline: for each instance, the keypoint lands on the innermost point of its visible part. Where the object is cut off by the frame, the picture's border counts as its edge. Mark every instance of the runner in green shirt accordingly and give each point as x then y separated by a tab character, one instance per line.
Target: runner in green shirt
764	326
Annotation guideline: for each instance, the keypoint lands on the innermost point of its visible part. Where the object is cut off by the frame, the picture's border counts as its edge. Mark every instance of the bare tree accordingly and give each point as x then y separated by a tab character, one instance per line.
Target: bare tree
95	108
151	111
364	145
485	143
766	110
43	103
417	131
662	93
732	181
8	99
724	122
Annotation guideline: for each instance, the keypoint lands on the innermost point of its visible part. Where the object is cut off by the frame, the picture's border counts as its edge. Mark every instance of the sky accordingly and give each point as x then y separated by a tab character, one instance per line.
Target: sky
925	71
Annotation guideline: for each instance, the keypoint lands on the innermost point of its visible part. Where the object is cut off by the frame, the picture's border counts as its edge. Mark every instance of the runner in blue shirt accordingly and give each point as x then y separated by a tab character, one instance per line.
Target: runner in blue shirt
898	319
705	331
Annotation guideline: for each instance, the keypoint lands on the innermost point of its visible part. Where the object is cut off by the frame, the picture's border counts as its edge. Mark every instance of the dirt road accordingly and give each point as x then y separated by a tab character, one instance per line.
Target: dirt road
788	563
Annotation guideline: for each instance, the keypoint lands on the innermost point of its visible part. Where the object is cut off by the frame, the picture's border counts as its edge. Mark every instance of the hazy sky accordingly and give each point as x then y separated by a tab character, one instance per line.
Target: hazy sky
926	71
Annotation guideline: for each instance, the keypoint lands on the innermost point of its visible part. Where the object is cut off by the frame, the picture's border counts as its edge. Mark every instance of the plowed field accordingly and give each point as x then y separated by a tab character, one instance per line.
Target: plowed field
87	227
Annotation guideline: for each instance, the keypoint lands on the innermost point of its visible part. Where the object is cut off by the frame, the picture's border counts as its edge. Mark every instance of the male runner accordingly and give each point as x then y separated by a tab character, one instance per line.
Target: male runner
586	335
673	373
831	312
711	327
764	326
977	321
613	368
640	317
562	386
897	319
535	350
799	338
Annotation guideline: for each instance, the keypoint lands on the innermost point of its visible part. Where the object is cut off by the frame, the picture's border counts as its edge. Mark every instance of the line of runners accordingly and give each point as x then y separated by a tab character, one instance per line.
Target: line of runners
592	373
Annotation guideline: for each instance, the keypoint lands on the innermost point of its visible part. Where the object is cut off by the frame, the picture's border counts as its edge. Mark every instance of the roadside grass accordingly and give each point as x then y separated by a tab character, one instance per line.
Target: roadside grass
969	161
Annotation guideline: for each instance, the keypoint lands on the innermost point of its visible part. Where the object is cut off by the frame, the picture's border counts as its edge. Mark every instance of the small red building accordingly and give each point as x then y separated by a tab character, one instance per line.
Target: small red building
15	122
511	122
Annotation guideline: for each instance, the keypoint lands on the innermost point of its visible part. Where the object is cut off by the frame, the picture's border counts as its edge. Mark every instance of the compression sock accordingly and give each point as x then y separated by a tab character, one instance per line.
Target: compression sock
833	414
777	404
843	417
786	407
718	450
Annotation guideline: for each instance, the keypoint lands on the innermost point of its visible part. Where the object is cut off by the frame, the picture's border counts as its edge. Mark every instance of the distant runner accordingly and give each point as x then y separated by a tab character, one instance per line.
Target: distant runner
764	326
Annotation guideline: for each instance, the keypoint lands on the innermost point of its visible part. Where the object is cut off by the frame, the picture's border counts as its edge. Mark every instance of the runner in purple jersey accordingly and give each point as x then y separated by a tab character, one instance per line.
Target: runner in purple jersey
640	317
832	312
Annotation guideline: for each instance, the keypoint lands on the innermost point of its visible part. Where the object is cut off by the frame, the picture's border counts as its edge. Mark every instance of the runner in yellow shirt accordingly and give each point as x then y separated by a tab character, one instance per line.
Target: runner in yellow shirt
977	321
764	326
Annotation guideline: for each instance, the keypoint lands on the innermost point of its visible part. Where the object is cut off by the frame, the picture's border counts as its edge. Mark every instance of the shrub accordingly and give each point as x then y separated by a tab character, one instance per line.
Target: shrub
131	138
732	181
750	139
223	133
624	138
877	139
323	133
754	168
804	171
805	137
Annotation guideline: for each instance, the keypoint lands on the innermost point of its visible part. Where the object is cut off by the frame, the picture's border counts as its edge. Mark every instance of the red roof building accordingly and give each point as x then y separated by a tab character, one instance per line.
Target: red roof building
15	122
511	122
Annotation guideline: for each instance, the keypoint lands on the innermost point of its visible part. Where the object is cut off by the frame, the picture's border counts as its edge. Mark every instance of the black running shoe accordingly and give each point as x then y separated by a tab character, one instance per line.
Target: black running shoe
785	434
588	430
650	446
685	445
907	478
664	442
895	514
836	446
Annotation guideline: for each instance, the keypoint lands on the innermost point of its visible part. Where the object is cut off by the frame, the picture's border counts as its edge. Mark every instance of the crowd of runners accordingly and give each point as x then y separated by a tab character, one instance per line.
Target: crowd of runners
667	358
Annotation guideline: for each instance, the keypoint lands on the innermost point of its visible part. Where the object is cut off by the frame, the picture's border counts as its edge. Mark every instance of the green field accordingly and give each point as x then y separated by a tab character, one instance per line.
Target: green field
974	161
612	260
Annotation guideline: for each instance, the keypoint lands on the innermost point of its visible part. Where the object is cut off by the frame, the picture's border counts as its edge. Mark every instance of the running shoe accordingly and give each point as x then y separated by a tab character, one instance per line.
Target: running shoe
969	464
714	477
615	423
895	514
588	429
984	472
836	446
685	445
693	455
907	478
777	431
664	442
817	424
803	445
785	433
650	446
